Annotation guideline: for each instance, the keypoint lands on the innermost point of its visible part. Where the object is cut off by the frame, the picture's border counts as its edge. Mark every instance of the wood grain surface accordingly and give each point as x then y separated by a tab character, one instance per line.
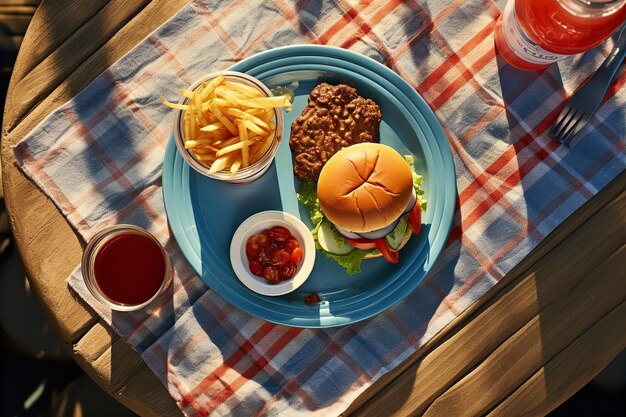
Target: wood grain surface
537	337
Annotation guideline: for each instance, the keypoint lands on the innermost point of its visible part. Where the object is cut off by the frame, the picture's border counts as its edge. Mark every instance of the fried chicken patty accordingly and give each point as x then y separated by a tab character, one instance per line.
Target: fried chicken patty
335	117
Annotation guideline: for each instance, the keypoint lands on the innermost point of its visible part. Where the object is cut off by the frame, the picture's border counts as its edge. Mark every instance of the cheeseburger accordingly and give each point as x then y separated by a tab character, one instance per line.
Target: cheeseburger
370	204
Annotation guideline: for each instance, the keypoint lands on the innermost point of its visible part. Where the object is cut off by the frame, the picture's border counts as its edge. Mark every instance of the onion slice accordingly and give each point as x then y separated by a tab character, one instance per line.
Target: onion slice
345	233
379	233
411	203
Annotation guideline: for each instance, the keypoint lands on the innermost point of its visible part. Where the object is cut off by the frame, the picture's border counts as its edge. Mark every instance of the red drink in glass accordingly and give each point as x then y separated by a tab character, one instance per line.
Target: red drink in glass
125	267
532	34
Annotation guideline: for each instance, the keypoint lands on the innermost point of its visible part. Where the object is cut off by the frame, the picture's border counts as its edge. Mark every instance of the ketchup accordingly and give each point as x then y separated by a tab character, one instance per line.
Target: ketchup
532	34
129	268
312	299
274	254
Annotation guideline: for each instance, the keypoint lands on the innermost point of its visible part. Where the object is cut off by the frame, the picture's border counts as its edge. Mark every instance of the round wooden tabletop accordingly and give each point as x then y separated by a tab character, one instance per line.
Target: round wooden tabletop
541	334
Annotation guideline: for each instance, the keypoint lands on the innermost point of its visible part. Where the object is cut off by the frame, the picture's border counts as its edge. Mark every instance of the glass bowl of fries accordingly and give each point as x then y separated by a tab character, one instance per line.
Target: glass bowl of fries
228	126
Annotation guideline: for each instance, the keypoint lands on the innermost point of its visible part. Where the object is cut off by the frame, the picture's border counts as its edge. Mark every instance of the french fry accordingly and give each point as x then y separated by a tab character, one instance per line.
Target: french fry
227	141
242	88
175	106
202	145
205	157
227	125
243	136
213	127
225	120
210	87
234	147
250	125
235	166
197	104
223	162
247	116
263	146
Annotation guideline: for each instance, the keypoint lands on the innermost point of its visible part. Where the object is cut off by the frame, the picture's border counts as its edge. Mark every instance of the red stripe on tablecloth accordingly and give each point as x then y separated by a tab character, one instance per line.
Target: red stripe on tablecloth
384	11
187	398
214	24
142	200
188	344
190	398
296	389
146	73
185	275
365	28
171	359
347	360
382	47
82	127
525	168
541	216
455	58
331	345
505	158
564	195
459	150
256	44
169	57
463	79
579	185
51	185
246	347
291	14
287	385
466	76
261	363
121	97
480	125
108	163
495	195
336	27
430	26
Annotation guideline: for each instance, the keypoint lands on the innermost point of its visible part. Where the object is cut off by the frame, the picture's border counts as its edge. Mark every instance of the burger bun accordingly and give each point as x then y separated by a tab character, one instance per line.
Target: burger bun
365	187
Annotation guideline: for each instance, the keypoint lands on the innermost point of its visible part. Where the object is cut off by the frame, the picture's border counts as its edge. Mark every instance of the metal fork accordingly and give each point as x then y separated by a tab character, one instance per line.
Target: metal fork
586	100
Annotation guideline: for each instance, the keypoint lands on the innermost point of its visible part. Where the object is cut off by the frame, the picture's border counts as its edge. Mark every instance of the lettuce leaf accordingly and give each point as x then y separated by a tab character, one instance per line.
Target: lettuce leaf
352	261
417	182
307	195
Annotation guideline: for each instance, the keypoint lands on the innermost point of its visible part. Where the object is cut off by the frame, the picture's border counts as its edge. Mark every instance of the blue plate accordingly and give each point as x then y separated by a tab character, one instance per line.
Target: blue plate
204	213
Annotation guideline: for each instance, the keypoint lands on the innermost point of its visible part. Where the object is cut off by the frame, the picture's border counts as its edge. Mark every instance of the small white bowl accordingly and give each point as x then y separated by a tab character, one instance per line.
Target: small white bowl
256	224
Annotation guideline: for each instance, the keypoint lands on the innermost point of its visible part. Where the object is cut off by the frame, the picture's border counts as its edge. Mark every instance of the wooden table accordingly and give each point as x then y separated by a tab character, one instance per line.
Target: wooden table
540	335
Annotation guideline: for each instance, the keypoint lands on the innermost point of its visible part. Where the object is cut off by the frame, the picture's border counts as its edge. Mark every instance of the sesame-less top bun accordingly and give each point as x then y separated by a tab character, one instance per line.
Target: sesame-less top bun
364	187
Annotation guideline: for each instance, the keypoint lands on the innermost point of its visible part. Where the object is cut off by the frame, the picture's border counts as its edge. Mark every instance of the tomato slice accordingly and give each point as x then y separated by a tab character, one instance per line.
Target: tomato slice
279	233
256	267
296	254
271	274
287	271
291	244
280	257
415	218
365	244
390	255
252	249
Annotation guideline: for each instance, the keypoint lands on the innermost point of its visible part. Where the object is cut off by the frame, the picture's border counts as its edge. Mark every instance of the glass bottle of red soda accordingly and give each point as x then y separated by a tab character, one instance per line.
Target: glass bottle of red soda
532	34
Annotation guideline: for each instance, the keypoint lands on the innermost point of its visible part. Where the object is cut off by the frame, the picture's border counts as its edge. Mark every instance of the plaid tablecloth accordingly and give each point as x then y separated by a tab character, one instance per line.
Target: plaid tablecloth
99	158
